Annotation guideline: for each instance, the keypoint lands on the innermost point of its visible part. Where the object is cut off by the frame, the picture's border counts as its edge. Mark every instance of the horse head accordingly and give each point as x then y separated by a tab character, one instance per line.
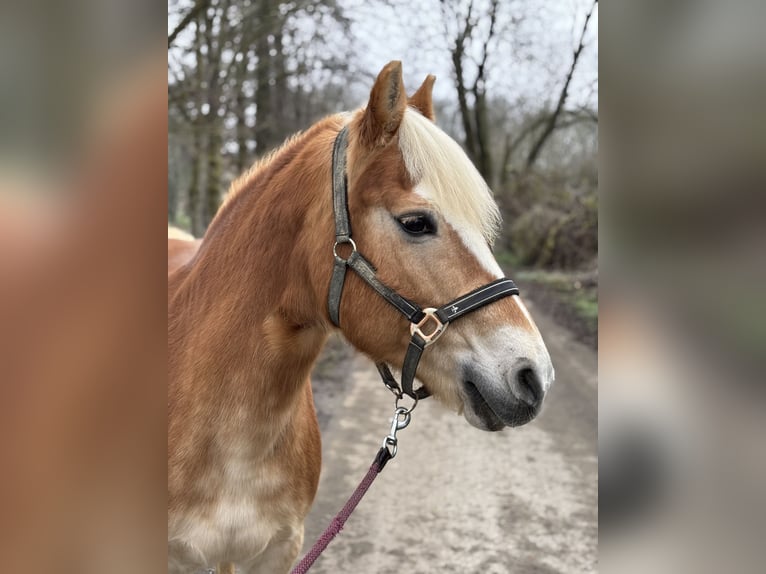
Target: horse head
425	219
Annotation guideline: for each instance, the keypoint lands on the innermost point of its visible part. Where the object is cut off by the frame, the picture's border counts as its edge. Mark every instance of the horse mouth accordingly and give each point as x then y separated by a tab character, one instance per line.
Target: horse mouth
479	411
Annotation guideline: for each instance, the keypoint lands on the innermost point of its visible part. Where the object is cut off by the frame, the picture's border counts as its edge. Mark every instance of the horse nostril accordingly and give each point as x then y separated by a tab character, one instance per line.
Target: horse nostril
531	389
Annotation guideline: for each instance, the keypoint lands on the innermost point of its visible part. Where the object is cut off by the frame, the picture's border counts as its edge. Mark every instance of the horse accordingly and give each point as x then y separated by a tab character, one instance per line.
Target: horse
248	316
181	247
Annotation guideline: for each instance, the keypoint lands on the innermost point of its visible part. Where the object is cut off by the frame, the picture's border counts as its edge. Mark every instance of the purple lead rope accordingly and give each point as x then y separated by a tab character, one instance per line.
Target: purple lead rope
336	525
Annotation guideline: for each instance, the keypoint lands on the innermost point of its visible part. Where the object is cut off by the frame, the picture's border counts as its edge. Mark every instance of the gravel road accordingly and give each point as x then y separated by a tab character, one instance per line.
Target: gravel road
457	499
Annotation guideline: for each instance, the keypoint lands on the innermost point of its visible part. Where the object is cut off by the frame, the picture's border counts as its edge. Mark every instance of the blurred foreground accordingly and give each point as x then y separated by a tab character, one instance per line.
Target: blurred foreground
682	457
82	290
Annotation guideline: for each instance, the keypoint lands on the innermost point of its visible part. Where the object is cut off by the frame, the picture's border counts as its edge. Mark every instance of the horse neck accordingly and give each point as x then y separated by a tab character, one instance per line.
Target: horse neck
245	319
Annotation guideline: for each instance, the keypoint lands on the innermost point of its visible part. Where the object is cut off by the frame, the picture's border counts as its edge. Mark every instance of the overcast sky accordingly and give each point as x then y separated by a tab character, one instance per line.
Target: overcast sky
530	59
528	63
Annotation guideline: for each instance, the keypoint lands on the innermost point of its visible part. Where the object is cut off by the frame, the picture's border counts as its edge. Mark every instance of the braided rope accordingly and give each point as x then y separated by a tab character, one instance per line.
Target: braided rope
336	525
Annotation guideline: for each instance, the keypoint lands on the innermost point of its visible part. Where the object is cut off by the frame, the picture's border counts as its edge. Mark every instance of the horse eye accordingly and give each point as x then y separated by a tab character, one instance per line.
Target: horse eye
417	224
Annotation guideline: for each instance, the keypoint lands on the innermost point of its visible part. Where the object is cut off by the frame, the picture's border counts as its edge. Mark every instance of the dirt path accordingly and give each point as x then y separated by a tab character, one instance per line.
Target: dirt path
457	499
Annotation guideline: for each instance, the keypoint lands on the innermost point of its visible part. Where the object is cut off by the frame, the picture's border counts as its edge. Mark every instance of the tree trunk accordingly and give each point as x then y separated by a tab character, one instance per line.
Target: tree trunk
212	123
483	153
195	207
280	96
263	132
465	112
241	101
194	210
214	172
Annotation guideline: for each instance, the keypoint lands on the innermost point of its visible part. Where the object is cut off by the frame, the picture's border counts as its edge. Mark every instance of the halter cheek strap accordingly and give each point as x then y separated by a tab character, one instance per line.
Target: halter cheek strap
355	260
427	325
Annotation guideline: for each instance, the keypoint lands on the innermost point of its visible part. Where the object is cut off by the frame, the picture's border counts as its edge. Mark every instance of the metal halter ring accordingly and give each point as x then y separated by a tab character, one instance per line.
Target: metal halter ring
335	248
400	396
439	327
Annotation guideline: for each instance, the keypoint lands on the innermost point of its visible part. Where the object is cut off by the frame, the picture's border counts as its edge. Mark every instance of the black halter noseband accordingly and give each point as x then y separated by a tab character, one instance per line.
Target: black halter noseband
434	320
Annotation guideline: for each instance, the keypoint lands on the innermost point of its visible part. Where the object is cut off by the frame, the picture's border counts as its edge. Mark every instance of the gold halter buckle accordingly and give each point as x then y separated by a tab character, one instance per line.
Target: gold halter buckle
435	332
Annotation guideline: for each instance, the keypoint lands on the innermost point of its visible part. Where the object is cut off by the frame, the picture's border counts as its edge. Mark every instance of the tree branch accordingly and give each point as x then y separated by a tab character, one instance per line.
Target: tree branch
550	126
485	47
186	20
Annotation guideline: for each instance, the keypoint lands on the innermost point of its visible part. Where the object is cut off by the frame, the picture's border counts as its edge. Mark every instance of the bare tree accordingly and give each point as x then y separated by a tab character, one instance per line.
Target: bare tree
473	113
551	123
230	81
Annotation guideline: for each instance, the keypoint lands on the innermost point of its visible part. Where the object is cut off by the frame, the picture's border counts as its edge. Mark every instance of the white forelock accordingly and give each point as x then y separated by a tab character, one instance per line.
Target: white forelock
436	161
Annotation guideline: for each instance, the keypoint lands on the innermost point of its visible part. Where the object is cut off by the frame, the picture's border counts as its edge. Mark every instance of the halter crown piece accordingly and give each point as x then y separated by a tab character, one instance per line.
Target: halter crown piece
427	324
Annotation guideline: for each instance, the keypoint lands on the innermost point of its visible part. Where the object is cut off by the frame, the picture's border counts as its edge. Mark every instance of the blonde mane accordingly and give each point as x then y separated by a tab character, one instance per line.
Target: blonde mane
262	162
436	161
432	158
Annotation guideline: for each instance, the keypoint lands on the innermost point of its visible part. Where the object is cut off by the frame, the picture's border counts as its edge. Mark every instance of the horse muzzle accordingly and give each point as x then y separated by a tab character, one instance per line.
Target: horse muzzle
492	403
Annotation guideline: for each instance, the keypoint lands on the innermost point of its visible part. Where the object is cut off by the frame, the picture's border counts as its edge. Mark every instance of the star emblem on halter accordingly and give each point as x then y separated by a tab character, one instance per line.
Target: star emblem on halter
453	308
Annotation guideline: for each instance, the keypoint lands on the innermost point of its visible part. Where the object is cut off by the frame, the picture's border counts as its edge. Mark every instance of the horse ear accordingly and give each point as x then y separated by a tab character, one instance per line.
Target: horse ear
386	107
422	100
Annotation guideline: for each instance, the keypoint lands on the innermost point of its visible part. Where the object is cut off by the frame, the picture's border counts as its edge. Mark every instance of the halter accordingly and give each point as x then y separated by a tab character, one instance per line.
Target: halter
428	324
